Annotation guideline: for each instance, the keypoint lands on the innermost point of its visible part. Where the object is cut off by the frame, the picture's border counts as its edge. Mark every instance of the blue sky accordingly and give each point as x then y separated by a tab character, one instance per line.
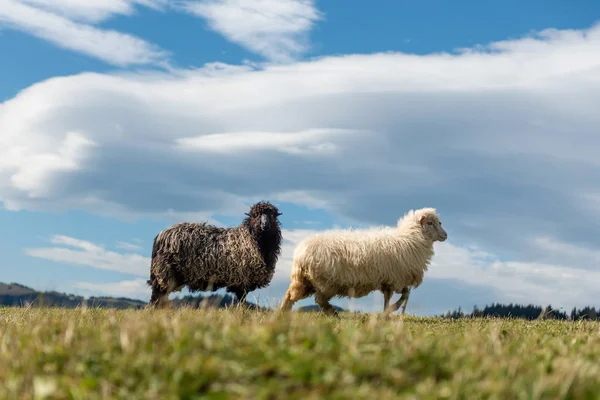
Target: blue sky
343	114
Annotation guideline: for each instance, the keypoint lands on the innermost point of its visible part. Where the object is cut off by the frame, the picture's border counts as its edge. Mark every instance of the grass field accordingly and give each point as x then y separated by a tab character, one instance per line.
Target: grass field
94	354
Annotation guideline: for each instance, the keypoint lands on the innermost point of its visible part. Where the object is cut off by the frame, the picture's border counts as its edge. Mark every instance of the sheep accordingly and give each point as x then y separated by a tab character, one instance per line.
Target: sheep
204	257
353	263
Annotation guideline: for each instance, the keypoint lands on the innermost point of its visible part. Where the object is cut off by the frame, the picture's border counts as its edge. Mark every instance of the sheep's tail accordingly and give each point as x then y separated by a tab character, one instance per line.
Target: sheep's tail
300	286
298	271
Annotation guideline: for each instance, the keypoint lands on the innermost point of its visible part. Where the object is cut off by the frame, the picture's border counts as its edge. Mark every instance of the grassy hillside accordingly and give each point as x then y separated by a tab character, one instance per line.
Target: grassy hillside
184	353
16	295
15	289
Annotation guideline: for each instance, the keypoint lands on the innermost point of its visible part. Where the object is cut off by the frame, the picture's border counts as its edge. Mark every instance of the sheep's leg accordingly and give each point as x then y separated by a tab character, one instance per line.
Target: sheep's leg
405	294
159	298
403	299
387	296
322	300
241	294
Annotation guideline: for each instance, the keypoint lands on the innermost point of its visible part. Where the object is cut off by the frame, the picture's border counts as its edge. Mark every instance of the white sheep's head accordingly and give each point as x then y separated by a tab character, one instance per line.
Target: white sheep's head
431	224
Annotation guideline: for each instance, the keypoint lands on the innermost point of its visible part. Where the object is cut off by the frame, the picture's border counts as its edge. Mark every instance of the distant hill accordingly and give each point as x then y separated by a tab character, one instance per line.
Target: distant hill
316	308
14	289
17	295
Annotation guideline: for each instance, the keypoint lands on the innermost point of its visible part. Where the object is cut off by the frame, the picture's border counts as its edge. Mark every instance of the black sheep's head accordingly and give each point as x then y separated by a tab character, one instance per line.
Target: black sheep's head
263	216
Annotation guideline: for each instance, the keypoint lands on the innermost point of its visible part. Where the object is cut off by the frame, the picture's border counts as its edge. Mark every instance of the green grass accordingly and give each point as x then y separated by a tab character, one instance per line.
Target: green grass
242	354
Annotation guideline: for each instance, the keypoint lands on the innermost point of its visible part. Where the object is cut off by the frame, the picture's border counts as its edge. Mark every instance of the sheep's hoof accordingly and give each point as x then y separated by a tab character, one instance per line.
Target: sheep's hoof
387	314
332	312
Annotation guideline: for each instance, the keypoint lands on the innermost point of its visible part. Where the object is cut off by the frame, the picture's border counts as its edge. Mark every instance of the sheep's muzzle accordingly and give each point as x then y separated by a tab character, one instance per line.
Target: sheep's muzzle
264	222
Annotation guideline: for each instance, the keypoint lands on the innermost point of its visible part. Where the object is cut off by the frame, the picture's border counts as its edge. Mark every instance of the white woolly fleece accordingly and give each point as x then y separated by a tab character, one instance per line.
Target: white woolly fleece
355	262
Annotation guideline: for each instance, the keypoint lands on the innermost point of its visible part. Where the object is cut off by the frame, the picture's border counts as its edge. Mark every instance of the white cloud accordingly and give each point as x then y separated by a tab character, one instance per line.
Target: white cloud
312	141
113	47
308	222
77	243
502	142
276	29
515	281
129	246
132	289
422	126
93	10
39	167
549	250
80	252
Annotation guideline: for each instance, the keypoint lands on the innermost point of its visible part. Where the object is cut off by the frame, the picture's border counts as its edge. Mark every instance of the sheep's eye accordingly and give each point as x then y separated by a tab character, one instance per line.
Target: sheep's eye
430	223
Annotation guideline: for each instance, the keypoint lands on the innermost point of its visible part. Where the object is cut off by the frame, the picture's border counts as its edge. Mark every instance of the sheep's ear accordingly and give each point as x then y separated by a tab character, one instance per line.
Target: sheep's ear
421	219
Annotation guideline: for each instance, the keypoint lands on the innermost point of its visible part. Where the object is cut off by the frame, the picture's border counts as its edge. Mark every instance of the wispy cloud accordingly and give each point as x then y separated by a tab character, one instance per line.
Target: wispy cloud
129	246
133	289
275	29
517	281
110	46
312	141
80	252
93	10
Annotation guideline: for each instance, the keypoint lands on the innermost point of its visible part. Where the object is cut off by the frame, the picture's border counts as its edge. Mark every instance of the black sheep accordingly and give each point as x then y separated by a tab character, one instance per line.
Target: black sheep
204	257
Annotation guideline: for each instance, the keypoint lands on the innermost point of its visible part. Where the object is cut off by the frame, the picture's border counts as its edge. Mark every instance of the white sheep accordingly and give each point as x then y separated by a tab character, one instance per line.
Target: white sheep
353	263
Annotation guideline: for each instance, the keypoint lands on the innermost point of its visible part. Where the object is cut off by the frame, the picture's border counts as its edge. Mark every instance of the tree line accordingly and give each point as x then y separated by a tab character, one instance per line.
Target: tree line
529	312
